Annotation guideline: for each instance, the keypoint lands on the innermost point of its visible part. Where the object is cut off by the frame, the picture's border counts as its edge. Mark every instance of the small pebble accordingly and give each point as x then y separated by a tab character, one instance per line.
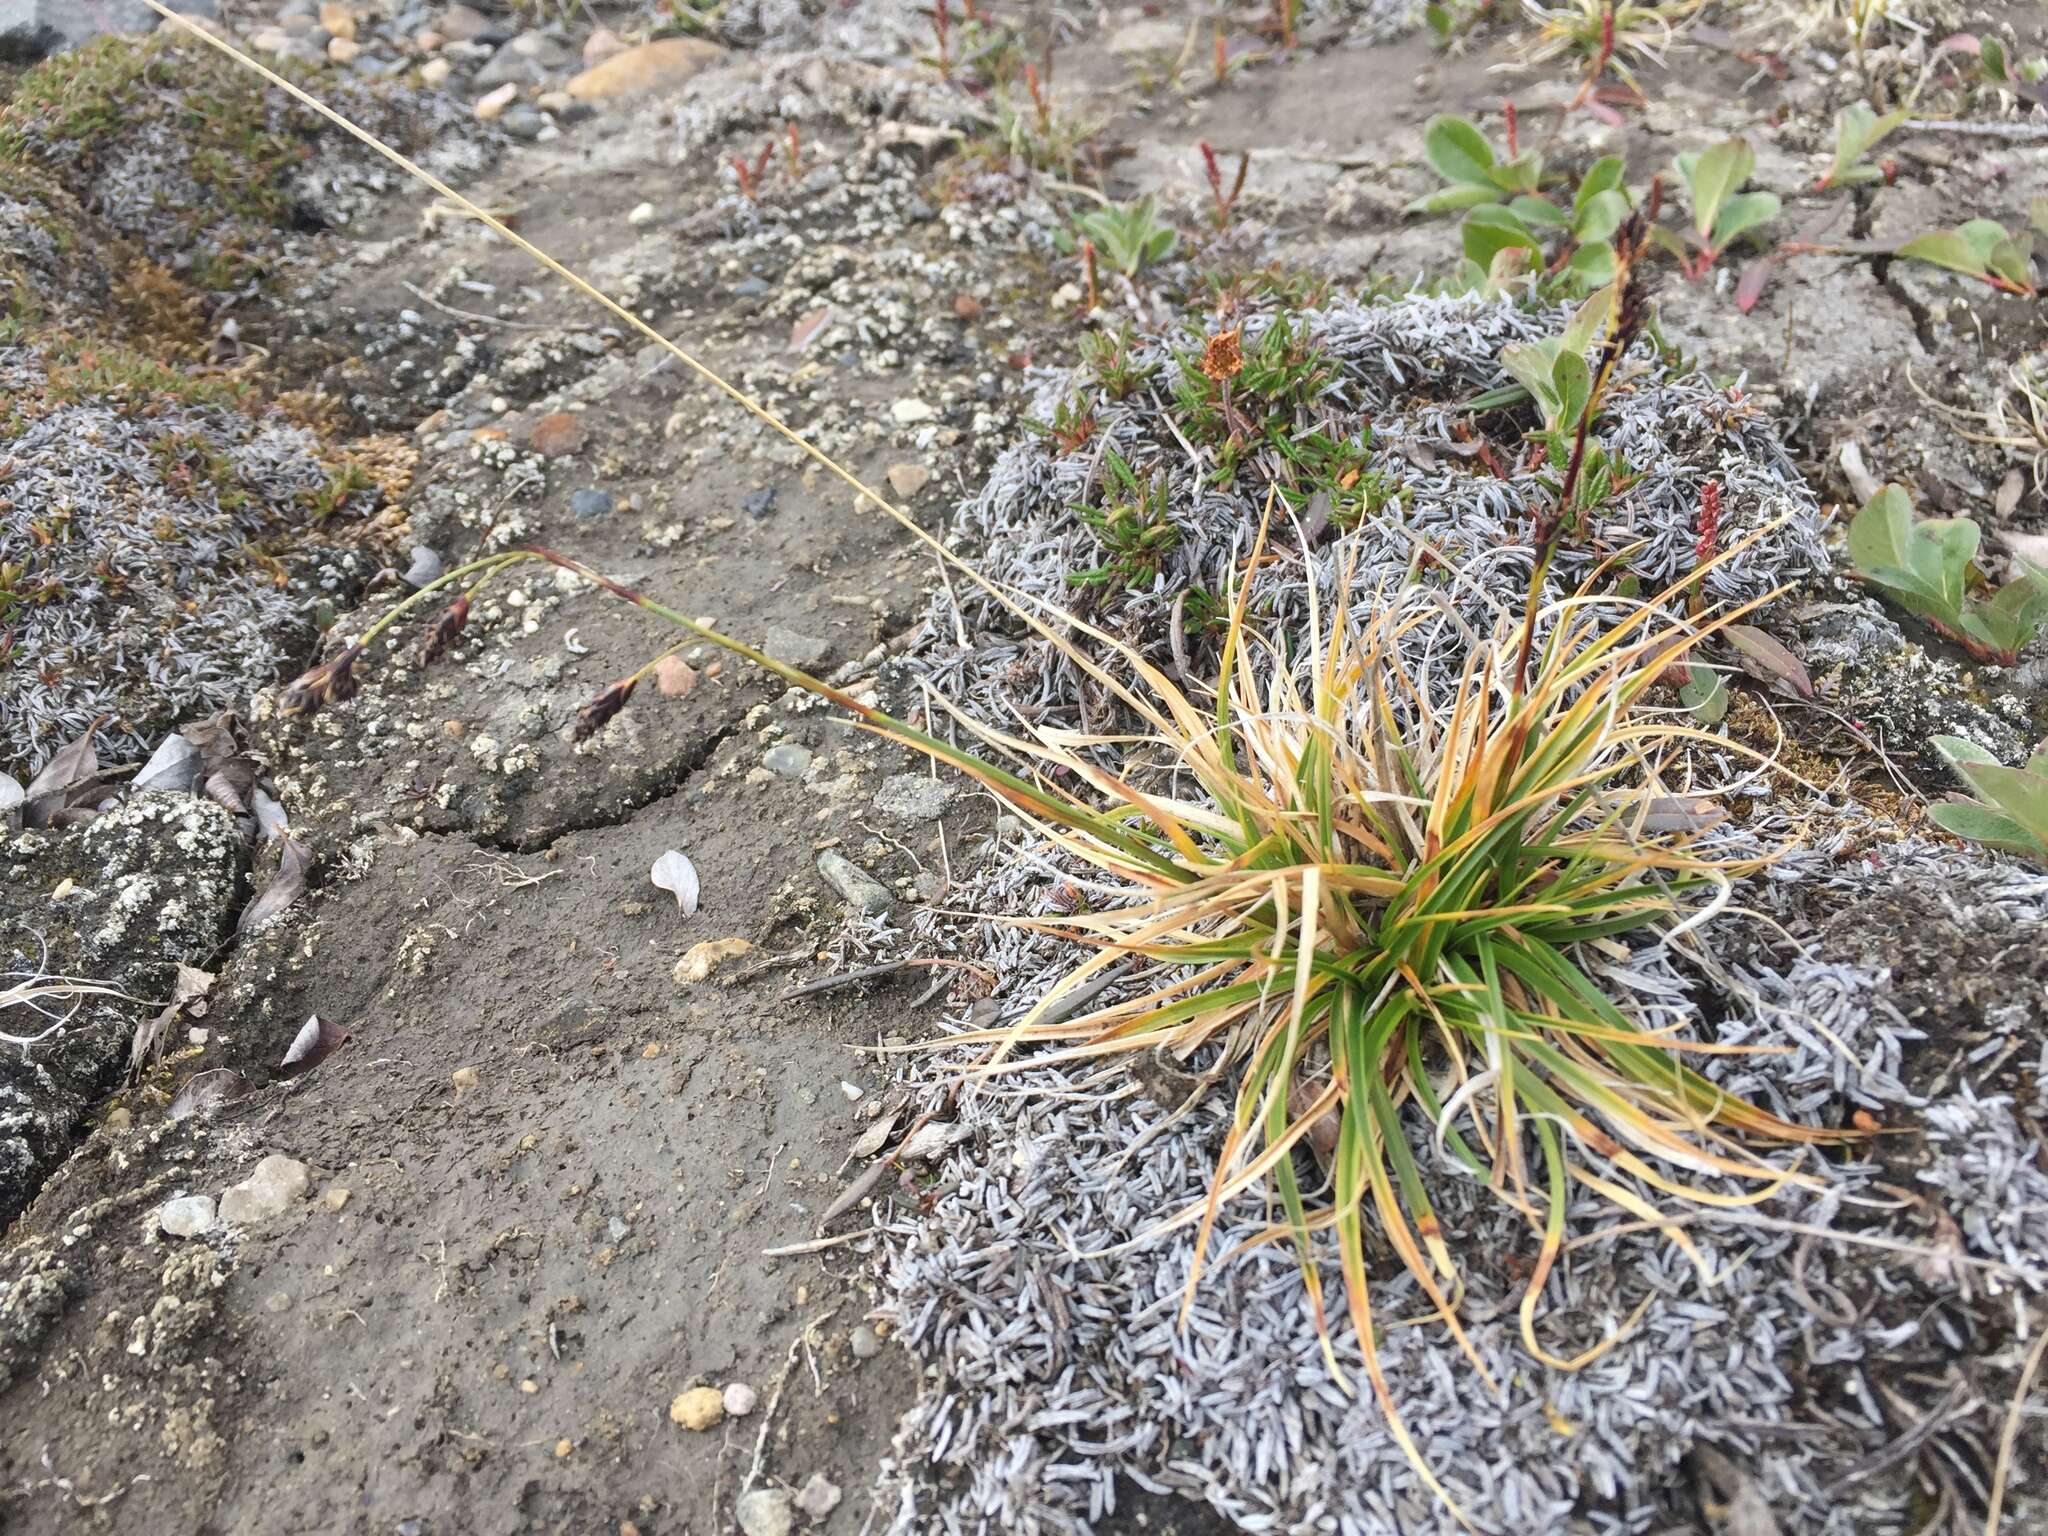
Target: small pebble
488	108
818	1497
740	1399
642	213
787	758
866	1343
856	885
187	1216
700	1408
765	1512
591	501
908	479
760	503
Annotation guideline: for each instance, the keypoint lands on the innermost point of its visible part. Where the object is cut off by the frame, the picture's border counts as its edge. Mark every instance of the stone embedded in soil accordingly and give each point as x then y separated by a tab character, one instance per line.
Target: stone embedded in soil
674	678
187	1216
759	503
155	882
855	885
806	652
818	1497
865	1343
434	72
740	1399
652	66
278	1184
558	435
765	1512
913	796
787	758
462	23
700	960
700	1408
908	479
488	107
908	413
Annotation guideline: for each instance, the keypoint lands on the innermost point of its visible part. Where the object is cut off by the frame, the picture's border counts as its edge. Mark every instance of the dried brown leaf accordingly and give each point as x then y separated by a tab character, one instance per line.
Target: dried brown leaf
316	1040
207	1093
294	864
1766	660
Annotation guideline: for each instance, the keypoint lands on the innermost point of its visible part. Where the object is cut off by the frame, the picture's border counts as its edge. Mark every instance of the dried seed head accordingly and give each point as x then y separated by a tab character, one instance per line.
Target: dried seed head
325	684
594	716
441	634
1222	360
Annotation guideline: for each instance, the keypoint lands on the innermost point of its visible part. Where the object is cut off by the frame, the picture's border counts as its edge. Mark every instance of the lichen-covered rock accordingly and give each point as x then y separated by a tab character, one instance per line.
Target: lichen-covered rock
120	902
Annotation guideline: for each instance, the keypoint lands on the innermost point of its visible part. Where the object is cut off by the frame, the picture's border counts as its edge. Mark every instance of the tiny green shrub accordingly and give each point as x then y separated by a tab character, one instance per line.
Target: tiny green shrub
2011	809
1926	567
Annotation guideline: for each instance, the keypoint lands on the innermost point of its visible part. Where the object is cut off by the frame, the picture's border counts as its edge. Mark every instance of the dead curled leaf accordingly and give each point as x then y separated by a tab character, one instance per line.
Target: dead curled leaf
316	1040
192	985
294	864
63	783
1767	660
206	1093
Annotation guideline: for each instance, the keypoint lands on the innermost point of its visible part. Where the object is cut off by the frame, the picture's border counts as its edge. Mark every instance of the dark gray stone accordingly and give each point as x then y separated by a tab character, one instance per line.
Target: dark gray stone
154	882
590	502
35	29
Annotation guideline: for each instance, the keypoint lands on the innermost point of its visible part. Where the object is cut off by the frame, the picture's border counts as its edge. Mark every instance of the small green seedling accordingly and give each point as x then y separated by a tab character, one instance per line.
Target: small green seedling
1996	67
1555	371
2010	812
1981	249
1858	130
1597	209
1462	156
1135	529
1721	211
1130	236
1926	568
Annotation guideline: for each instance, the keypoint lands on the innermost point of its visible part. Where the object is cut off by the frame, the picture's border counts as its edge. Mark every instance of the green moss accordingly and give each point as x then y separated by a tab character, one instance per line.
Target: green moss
79	368
240	149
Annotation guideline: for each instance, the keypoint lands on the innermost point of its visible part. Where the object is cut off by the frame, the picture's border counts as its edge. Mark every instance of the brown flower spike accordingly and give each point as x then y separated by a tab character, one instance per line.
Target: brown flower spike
442	632
1222	360
594	716
325	684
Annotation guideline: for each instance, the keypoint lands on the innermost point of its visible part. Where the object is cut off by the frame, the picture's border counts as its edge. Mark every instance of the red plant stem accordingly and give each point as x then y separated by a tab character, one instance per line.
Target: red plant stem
1088	266
1037	98
942	23
1513	128
1222	56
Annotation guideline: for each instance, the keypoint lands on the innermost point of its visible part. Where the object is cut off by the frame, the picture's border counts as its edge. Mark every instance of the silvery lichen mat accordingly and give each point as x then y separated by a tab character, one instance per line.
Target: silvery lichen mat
1060	1370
